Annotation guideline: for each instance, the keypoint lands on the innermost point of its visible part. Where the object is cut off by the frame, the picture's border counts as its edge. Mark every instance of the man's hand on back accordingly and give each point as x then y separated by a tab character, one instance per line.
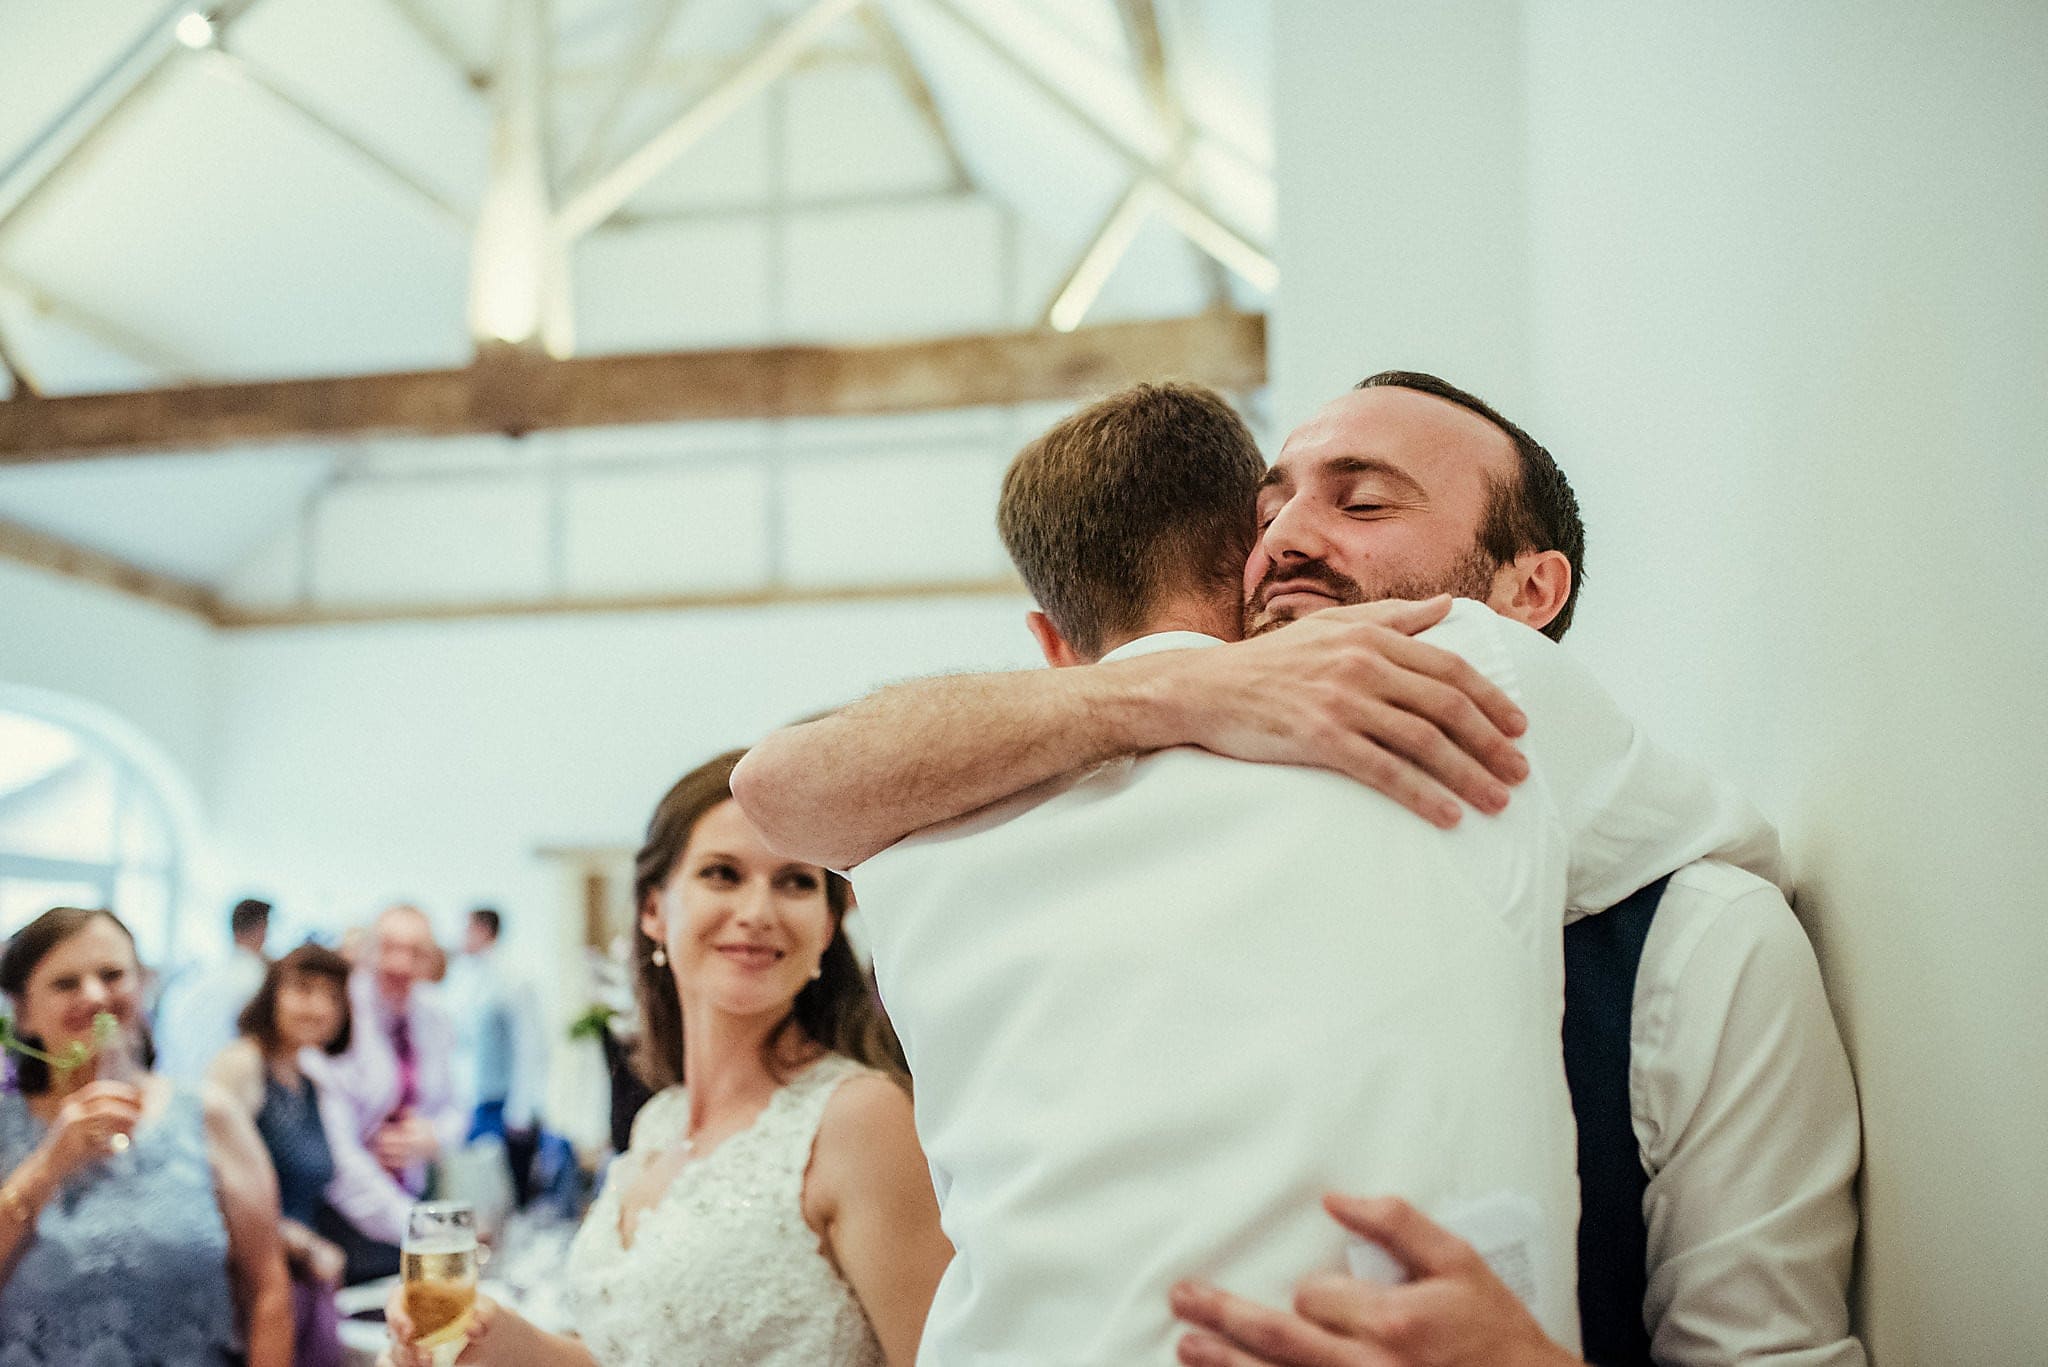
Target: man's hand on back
1350	689
1454	1313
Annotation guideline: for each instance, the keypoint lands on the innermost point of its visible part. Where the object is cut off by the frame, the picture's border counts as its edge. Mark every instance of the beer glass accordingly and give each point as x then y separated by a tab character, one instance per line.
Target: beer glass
438	1262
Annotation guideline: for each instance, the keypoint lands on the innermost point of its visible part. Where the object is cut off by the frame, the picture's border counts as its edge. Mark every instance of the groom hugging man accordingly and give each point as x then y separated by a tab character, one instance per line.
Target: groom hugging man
1157	1000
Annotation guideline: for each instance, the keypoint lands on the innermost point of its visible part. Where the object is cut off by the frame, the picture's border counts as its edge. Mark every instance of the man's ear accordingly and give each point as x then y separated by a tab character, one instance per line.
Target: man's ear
1532	588
1051	644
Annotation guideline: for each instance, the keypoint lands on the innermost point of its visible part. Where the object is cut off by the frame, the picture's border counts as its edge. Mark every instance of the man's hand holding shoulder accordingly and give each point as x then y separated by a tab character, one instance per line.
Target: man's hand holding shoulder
1349	689
1454	1313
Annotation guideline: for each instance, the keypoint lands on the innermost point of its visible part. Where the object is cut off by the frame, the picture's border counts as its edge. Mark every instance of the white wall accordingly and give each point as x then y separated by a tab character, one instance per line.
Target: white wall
149	665
1784	318
431	760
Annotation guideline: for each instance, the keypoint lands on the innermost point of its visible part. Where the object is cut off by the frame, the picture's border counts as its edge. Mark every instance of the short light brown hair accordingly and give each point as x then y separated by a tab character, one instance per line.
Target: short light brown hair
1146	495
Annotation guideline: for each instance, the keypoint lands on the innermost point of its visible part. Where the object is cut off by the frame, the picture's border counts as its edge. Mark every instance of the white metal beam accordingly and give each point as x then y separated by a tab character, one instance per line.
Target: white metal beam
19	379
58	149
1202	225
687	72
1098	260
420	17
167	362
1155	73
637	65
910	78
115	85
600	199
234	67
831	204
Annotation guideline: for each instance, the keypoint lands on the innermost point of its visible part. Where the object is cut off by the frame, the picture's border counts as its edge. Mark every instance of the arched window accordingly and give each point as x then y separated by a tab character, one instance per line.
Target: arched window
81	824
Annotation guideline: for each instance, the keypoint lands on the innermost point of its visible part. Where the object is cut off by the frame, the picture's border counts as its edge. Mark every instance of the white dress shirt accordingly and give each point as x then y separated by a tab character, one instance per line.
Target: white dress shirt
1745	1112
198	1015
499	1053
1155	1010
360	1089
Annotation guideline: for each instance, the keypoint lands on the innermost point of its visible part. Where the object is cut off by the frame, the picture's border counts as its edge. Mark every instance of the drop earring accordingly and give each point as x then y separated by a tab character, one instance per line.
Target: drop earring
660	957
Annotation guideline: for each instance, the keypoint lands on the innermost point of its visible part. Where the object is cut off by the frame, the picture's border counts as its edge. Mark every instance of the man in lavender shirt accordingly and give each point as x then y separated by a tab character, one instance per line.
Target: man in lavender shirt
389	1102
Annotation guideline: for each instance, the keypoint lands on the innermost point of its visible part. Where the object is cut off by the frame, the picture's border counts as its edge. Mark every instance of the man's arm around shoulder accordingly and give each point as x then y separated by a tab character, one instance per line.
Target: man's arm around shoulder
1348	689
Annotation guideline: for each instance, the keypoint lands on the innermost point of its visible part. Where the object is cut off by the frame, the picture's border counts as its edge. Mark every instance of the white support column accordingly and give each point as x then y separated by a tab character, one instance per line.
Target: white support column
519	268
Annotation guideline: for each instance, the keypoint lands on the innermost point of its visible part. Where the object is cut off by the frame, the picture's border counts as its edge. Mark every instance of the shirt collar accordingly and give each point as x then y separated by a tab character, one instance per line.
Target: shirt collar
1162	640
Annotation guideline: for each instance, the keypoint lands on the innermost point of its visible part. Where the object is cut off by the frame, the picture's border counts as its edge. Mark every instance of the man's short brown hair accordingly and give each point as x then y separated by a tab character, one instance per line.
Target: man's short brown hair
1147	495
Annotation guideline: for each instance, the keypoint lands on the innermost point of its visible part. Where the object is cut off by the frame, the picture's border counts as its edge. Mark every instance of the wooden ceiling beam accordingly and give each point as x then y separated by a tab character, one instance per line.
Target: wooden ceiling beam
514	393
40	550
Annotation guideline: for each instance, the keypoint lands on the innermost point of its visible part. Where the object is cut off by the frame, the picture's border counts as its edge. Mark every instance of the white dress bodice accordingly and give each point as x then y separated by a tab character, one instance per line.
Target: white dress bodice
723	1271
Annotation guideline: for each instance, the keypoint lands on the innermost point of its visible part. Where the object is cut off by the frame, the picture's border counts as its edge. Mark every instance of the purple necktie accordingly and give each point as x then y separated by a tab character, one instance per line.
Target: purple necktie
408	1067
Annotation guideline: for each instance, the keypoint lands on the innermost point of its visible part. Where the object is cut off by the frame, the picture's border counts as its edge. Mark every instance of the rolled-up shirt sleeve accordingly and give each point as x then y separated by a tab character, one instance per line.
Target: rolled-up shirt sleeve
1749	1132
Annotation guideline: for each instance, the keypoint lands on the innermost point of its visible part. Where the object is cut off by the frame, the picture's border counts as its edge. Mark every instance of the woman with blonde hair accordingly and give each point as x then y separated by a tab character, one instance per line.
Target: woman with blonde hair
774	1209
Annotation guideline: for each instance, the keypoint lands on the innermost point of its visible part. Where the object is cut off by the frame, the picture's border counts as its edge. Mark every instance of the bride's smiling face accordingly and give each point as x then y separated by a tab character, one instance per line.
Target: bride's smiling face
744	928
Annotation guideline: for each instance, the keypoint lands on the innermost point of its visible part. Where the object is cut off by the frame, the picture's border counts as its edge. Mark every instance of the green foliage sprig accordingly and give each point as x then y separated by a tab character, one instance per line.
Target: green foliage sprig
74	1055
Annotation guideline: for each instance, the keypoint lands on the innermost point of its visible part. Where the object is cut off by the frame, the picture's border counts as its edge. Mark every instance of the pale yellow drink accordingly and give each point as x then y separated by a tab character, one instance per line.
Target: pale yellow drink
440	1292
438	1263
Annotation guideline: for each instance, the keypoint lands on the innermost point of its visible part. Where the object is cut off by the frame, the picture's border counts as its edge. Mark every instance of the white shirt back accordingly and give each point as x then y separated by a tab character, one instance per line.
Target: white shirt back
1155	1011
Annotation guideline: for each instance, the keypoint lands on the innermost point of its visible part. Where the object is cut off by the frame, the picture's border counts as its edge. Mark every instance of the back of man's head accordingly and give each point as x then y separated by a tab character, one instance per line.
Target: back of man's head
1142	499
250	919
1535	510
484	925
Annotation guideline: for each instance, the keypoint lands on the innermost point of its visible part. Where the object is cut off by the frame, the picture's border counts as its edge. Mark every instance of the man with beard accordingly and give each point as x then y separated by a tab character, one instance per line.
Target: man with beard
1712	1091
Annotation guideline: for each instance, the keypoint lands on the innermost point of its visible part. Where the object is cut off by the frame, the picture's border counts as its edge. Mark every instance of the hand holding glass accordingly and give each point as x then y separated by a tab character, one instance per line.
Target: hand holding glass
439	1265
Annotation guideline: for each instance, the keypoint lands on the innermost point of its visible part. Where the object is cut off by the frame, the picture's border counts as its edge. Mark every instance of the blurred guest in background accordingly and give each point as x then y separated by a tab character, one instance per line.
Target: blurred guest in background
774	1209
302	1005
392	1090
196	1018
499	1050
138	1217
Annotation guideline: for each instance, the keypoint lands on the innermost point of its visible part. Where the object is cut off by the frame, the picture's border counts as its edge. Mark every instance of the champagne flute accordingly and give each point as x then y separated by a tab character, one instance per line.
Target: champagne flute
438	1262
115	1060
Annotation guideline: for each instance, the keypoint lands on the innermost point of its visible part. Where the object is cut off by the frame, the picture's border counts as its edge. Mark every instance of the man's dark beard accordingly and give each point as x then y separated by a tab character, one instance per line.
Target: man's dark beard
1470	576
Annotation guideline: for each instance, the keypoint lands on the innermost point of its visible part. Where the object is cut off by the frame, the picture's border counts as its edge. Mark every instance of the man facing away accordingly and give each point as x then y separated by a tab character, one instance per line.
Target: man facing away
196	1019
1154	1008
500	1055
1719	1132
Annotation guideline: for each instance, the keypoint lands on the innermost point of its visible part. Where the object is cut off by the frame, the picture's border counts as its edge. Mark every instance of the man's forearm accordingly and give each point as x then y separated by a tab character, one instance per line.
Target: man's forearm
836	790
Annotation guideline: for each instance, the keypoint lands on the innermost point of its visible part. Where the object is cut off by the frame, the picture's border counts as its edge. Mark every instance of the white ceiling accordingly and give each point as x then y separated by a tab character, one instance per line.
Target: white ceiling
233	222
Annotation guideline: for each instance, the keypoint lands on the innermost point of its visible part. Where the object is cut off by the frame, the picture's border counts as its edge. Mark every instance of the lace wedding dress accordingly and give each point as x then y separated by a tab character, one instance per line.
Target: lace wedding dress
722	1271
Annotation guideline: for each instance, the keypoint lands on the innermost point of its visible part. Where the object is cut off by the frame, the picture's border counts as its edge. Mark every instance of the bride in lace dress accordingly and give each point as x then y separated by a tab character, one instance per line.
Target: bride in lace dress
774	1209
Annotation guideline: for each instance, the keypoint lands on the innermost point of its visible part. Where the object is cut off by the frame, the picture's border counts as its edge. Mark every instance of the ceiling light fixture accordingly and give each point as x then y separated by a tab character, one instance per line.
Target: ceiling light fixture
195	30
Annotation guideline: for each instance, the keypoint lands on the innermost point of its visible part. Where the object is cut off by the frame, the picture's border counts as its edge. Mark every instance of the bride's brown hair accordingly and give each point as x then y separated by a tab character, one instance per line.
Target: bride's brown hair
837	1010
